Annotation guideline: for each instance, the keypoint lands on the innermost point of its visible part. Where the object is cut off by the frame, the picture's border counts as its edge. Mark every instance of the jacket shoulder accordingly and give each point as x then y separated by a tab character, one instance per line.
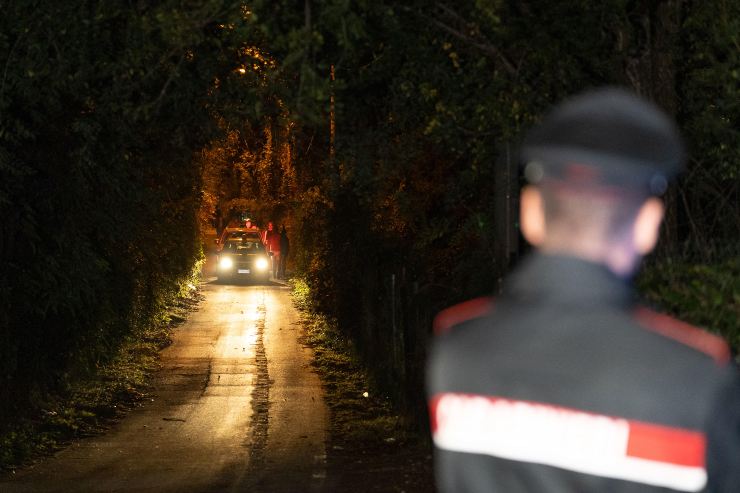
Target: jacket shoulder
687	334
462	312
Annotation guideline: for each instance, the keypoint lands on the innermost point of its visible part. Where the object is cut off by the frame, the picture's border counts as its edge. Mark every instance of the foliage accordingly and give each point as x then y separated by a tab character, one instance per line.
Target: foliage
248	170
362	421
411	205
707	295
710	86
359	410
103	107
93	402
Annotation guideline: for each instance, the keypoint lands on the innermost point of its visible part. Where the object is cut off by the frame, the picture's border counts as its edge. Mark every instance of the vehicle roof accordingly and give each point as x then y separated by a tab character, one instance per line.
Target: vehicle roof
243	235
231	231
244	230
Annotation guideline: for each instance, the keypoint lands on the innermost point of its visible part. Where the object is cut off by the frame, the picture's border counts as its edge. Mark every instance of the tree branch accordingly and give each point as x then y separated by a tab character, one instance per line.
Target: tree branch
166	85
482	44
7	62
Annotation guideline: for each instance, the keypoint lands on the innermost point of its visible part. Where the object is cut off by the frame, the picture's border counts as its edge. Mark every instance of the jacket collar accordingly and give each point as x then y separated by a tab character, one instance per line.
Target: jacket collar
569	280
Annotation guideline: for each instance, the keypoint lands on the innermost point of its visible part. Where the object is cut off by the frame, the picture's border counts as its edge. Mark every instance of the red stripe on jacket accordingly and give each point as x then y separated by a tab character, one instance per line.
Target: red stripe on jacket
462	312
666	444
684	333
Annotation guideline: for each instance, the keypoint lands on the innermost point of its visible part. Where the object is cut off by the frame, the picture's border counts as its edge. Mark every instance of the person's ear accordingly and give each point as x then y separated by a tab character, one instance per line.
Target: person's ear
532	215
647	225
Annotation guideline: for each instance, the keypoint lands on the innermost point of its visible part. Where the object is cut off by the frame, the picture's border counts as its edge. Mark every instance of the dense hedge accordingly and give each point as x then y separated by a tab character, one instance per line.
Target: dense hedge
705	293
103	106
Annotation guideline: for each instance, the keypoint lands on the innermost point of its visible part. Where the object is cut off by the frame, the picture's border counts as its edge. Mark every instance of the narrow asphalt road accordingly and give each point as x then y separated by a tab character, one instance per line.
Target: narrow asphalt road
237	407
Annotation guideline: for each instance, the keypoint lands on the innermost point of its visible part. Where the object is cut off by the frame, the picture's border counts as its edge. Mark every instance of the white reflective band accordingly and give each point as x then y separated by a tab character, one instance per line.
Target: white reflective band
570	439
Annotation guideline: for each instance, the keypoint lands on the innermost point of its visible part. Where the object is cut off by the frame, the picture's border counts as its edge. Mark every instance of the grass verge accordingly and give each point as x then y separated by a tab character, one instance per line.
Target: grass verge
90	405
367	438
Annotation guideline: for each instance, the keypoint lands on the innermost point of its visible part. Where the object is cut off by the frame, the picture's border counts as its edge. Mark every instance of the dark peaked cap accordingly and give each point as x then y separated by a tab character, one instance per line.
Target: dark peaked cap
622	138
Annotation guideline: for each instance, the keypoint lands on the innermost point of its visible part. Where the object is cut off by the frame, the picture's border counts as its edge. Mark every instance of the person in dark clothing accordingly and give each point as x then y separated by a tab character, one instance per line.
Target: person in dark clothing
284	248
564	383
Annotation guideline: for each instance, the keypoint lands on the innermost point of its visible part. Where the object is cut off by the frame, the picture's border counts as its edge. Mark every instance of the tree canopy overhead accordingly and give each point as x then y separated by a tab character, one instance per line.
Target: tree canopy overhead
382	133
412	201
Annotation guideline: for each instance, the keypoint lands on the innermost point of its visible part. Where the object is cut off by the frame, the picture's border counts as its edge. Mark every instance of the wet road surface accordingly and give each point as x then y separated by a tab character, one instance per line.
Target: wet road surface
237	407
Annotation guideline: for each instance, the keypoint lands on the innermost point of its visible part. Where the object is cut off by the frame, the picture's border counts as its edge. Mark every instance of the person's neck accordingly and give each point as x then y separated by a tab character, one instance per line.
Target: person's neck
620	260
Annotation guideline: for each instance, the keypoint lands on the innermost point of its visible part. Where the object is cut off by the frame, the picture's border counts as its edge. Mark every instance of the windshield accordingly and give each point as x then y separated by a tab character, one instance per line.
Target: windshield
243	245
242	235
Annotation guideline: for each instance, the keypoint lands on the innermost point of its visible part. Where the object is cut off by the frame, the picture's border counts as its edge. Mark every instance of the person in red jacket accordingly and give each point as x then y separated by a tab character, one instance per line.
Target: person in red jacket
271	239
564	383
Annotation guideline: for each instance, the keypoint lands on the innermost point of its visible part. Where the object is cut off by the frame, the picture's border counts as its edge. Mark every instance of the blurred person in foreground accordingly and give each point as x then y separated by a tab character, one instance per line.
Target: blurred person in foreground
564	383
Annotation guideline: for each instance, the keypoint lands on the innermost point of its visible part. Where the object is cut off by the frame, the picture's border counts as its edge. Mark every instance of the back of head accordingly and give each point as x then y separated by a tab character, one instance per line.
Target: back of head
596	158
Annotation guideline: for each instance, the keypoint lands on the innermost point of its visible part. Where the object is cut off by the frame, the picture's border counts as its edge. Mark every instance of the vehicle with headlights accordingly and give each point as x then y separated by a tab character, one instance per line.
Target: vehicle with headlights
243	256
228	233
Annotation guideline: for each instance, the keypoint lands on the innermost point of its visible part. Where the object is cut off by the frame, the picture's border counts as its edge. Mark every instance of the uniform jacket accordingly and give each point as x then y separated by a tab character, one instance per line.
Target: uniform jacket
564	384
